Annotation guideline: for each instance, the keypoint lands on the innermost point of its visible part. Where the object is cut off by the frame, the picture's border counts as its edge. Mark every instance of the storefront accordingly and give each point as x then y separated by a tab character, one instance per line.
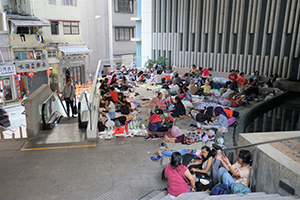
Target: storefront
73	68
72	64
7	73
31	74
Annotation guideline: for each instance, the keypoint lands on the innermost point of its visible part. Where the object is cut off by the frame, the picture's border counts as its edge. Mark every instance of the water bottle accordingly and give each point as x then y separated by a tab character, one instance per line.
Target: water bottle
140	122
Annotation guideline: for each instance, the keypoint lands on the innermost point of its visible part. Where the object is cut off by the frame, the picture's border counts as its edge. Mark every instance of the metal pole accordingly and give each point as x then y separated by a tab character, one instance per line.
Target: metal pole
88	37
20	127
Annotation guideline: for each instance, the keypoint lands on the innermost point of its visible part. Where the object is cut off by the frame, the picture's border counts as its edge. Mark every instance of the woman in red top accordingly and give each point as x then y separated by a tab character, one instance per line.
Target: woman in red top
241	80
112	95
177	176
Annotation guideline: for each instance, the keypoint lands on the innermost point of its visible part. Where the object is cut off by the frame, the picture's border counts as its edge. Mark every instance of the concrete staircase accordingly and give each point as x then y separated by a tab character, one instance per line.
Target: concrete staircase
205	196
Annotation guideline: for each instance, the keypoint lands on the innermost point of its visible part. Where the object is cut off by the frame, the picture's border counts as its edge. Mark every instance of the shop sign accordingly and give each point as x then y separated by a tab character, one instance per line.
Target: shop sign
31	65
72	62
7	70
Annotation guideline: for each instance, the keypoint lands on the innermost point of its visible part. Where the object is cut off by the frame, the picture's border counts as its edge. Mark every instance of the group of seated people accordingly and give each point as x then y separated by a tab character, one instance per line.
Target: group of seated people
187	178
113	102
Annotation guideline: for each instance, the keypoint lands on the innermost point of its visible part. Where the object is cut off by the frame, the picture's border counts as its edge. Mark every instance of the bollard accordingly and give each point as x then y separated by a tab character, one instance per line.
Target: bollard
13	135
1	134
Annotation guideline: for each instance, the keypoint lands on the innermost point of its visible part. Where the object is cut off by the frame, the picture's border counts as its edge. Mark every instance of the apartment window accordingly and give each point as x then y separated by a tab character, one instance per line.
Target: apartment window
124	33
53	2
124	6
4	55
54	28
23	55
52	54
69	2
71	28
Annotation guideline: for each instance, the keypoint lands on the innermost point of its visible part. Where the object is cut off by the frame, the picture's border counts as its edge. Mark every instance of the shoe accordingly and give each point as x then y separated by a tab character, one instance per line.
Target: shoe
149	137
155	138
217	147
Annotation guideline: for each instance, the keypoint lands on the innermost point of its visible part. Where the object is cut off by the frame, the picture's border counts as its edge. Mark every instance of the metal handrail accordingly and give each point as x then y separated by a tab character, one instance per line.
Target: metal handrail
255	154
260	143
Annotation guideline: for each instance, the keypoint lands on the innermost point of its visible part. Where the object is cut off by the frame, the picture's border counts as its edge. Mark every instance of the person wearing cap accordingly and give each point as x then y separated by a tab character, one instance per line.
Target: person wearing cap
123	69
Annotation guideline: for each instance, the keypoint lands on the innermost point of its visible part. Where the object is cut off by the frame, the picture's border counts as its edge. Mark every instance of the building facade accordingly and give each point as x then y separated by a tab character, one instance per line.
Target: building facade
109	36
247	35
44	43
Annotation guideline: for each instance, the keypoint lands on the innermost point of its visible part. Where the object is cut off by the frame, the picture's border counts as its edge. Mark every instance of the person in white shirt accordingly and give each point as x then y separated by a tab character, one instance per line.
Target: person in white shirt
158	78
110	107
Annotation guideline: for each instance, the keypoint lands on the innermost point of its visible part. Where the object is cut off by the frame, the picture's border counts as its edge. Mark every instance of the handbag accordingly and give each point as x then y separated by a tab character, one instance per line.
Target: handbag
204	183
68	99
74	109
124	109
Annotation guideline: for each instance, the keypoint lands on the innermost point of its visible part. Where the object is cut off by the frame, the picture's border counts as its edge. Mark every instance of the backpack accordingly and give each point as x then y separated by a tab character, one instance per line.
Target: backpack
219	86
220	189
239	188
124	110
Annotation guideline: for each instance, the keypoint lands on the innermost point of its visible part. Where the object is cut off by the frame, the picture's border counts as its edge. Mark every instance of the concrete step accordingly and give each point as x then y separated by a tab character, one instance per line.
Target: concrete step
167	197
250	196
193	196
160	195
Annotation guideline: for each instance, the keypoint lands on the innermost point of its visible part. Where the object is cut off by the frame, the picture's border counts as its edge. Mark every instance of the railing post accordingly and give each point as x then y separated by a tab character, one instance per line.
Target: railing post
21	136
254	168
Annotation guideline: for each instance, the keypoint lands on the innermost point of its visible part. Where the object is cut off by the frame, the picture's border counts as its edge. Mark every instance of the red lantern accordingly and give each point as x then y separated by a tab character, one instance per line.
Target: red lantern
31	74
23	73
49	71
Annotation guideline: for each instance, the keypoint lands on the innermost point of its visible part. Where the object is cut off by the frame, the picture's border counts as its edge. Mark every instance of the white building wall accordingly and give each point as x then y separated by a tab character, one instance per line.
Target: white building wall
146	28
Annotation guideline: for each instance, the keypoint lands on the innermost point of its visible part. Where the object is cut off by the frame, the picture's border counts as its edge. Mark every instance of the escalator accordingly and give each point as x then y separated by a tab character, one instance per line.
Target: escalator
53	112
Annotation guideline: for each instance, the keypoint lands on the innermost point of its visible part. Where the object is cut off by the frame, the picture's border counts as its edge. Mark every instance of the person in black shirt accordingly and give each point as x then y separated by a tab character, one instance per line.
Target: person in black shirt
179	109
104	88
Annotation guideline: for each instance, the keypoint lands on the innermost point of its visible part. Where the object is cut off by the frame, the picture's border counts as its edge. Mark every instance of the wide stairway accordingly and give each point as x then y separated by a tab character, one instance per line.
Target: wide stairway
205	196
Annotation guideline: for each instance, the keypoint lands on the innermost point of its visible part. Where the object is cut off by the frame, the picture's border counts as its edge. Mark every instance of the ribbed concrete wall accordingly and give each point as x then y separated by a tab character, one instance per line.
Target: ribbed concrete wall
247	35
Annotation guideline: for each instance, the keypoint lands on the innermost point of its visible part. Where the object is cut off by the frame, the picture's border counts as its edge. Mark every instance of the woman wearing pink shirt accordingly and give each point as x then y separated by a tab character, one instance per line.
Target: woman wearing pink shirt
178	175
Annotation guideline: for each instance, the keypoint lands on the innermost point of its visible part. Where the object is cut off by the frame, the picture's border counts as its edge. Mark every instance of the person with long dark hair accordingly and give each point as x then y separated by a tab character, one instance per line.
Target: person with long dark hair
240	170
179	109
204	165
178	177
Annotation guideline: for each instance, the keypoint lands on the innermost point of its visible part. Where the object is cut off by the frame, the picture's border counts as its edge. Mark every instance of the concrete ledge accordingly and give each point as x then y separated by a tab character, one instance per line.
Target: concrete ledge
272	165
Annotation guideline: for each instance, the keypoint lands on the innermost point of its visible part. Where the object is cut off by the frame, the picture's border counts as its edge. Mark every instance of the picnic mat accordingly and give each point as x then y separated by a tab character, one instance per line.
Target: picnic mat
153	87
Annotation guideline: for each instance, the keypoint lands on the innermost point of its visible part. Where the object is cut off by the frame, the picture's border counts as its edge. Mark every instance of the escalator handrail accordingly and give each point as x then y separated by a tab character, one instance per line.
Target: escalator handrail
83	95
44	104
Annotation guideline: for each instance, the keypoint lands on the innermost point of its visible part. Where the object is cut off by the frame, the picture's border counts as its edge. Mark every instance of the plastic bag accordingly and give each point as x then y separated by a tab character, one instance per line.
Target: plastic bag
187	104
176	131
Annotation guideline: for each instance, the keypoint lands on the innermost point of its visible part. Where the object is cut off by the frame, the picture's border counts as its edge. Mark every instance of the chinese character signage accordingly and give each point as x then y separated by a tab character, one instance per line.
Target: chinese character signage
31	66
7	70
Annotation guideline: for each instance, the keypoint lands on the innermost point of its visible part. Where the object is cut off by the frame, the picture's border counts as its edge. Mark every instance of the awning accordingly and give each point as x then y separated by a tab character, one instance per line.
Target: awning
69	50
23	23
